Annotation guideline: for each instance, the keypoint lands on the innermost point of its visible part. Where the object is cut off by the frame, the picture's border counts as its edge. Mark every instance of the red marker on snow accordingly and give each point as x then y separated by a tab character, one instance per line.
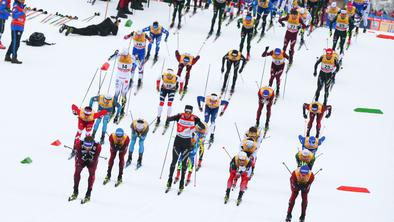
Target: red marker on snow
353	189
56	143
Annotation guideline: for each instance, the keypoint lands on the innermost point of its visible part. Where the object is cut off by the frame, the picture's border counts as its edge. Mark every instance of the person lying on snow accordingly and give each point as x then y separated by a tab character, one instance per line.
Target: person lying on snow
105	28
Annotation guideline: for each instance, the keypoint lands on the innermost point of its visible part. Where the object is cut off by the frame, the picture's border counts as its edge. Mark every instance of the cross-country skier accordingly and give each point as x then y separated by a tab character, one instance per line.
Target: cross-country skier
266	97
317	110
126	65
188	61
301	180
218	9
313	7
87	155
311	143
254	133
328	69
363	7
178	6
332	12
351	12
246	32
168	88
239	167
186	123
86	118
306	18
294	22
156	32
139	129
263	10
343	22
17	27
305	157
277	66
119	142
211	110
5	11
250	147
197	147
104	103
233	58
139	39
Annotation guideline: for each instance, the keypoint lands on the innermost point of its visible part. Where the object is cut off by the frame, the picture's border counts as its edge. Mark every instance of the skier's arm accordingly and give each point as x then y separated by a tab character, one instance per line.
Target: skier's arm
304	107
225	104
199	100
317	64
129	35
243	62
303	26
329	111
75	109
197	120
165	31
285	55
223	60
92	100
97	154
145	132
148	37
146	29
283	19
174	118
239	22
266	53
111	142
195	59
16	14
321	140
100	114
118	108
336	65
177	55
301	139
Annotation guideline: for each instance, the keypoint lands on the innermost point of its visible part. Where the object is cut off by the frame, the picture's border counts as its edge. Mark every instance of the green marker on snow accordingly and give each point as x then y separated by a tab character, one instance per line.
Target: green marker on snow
368	110
128	23
27	160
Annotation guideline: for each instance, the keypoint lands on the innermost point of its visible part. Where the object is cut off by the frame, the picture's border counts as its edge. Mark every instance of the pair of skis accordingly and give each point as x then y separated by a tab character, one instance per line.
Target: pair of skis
107	180
83	201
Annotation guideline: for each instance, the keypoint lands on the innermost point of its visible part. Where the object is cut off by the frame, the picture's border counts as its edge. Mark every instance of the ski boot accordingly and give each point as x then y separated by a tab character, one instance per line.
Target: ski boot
74	195
290	60
266	126
139	85
155	57
168	187
227	196
218	33
211	138
128	162
178	173
172	25
302	218
102	138
147	56
107	178
139	161
222	91
239	199
206	6
87	197
167	124
119	181
15	61
232	91
288	218
257	123
187	9
157	121
62	28
7	58
179	26
330	33
210	31
189	175
364	30
195	10
199	164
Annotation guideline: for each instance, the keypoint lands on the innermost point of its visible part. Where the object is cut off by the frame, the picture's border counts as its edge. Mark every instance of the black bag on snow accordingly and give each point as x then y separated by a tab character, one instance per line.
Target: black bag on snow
37	39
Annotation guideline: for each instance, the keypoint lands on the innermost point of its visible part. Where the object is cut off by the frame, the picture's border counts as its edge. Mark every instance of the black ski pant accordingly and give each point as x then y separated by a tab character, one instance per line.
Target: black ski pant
246	33
87	31
15	42
313	8
2	24
182	146
226	75
326	80
218	8
339	35
178	6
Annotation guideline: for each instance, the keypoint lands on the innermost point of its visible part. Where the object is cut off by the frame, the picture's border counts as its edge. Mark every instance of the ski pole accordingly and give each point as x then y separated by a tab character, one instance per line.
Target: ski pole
262	75
103	157
284	88
284	164
198	53
48	16
106	10
318	171
128	101
177	41
319	155
54	16
236	127
42	13
131	114
206	82
224	148
168	146
113	68
94	76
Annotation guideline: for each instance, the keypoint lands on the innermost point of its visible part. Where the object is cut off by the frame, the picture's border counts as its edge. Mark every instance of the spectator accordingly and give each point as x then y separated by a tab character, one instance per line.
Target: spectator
4	14
105	28
17	27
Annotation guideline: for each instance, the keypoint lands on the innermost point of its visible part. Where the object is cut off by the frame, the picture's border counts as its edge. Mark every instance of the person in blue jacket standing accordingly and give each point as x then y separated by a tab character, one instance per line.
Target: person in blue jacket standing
4	14
108	103
155	31
17	26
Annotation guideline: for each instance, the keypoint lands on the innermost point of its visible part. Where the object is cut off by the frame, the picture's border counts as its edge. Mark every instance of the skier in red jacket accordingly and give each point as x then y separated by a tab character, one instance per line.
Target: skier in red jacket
87	155
185	60
86	118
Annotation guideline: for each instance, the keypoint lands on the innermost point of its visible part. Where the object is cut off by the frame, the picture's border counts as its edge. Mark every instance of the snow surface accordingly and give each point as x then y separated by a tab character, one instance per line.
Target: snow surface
38	94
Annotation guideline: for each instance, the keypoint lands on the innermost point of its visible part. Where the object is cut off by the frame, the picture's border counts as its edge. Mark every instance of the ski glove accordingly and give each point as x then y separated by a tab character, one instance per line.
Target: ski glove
328	115
283	25
222	69
315	73
116	119
200	108
166	39
242	69
305	116
266	48
221	113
